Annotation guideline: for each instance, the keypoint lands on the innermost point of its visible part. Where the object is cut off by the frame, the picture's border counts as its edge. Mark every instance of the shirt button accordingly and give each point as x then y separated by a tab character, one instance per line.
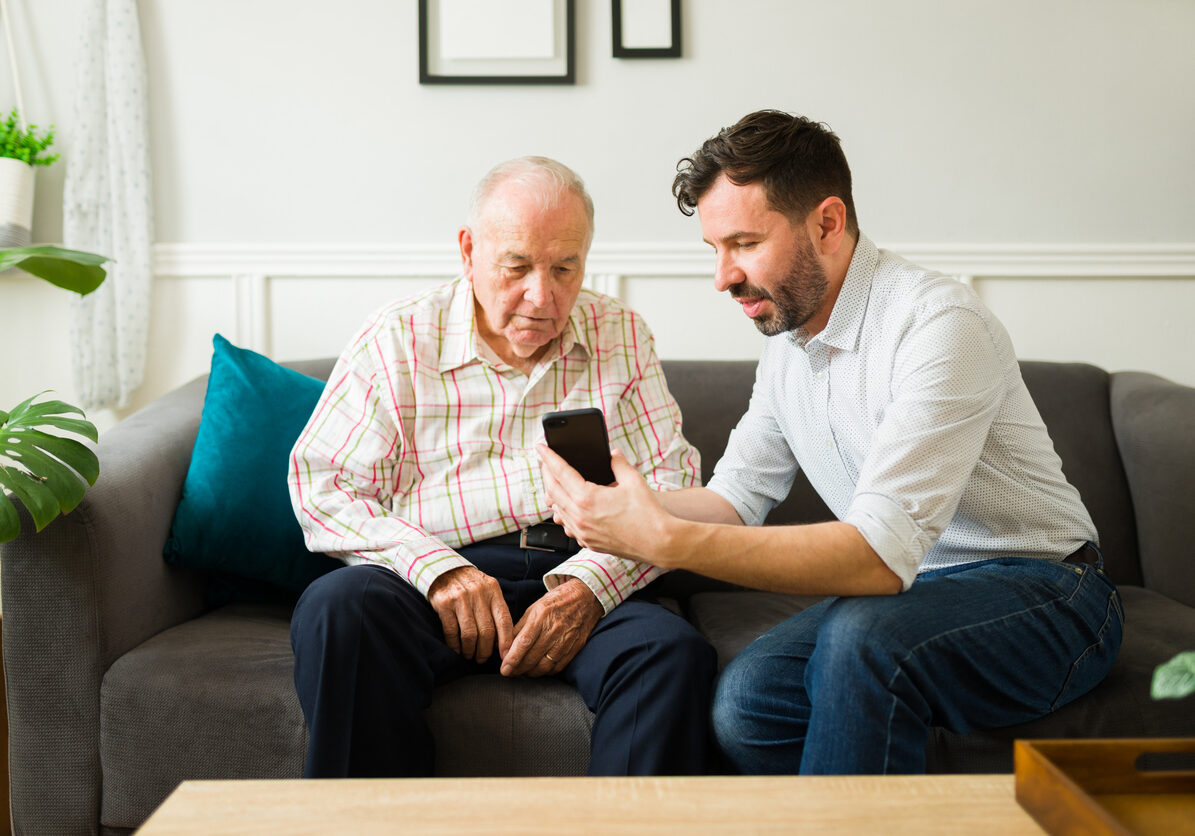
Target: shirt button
822	376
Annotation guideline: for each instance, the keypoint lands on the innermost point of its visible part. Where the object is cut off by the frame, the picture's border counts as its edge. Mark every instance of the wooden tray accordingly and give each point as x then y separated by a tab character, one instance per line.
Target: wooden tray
1107	786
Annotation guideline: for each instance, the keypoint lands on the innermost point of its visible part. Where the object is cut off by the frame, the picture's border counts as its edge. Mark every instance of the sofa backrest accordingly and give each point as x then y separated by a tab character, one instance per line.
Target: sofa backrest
1072	398
1154	419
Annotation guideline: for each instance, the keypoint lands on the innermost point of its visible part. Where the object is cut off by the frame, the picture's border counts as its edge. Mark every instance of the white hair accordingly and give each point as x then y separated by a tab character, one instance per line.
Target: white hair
547	179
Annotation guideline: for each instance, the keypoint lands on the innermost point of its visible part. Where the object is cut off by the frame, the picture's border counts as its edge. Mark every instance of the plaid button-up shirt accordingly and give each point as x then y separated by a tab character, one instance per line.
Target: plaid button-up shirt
424	441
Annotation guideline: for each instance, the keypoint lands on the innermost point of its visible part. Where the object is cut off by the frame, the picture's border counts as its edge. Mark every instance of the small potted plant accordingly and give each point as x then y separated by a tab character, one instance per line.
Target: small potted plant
21	148
40	468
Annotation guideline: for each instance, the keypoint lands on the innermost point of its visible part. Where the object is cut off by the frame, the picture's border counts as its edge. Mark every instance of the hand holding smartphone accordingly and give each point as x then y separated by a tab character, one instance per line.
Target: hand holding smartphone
579	437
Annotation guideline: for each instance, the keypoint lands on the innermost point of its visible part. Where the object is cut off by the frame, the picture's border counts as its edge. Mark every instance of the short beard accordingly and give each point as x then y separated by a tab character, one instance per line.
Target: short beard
796	299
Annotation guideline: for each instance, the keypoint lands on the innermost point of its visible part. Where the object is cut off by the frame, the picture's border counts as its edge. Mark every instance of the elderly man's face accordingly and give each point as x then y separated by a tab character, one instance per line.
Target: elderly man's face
526	263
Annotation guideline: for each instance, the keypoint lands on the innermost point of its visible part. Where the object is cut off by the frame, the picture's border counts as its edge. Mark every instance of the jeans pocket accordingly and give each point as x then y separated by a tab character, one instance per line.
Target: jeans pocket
1096	660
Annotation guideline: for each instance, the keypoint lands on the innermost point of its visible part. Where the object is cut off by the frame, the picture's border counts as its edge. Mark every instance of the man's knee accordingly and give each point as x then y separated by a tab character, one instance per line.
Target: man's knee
856	628
650	648
676	648
337	602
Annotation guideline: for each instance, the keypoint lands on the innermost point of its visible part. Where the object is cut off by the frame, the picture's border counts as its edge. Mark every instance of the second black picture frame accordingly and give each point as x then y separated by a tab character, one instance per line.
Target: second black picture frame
652	40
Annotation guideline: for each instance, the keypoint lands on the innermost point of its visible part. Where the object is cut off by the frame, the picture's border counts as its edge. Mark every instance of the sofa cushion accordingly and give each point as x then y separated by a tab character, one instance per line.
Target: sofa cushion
209	699
732	620
235	516
214	698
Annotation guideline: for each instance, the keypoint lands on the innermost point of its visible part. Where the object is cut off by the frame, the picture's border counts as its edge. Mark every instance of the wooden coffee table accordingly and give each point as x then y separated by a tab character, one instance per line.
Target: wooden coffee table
923	804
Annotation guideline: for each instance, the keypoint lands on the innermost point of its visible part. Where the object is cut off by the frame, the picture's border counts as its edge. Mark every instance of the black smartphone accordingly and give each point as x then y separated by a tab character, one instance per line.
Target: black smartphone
579	437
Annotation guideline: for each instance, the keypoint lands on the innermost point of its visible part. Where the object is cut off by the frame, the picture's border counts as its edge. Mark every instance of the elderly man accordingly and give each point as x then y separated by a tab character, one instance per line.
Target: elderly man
418	469
899	394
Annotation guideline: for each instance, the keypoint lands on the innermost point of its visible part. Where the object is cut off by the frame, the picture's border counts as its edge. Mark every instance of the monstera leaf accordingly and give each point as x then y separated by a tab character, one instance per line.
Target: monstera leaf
43	472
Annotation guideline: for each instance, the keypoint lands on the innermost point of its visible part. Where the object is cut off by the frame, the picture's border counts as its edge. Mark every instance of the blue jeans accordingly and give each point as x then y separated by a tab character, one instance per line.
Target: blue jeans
853	685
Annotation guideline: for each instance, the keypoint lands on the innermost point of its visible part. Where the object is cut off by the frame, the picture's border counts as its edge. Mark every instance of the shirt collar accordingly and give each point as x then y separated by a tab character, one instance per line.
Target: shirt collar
845	326
575	334
460	345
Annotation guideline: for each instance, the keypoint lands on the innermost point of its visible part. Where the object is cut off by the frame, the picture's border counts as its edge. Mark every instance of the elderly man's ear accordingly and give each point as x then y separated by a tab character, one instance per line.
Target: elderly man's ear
464	239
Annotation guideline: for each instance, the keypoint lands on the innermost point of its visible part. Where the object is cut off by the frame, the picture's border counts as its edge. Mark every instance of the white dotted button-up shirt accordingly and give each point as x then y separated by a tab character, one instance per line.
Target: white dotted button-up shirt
909	416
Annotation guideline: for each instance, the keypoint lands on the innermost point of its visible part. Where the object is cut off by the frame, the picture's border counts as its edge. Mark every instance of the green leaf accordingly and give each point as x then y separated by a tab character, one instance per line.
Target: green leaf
69	269
33	494
31	445
1175	679
46	473
10	523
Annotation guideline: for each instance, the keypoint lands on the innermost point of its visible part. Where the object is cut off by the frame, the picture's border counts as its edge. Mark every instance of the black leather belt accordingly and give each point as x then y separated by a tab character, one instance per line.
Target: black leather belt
544	537
1087	555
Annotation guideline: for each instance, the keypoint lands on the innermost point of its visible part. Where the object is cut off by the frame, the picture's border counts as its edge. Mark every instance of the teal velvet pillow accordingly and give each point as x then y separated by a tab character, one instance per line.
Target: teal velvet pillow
235	517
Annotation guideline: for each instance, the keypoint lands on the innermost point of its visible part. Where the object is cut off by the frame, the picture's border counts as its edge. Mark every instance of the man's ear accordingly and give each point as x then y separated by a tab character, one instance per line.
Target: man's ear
464	239
828	225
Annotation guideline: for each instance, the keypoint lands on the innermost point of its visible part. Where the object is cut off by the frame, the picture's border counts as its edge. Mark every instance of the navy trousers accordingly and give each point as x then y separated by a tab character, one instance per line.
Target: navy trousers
369	650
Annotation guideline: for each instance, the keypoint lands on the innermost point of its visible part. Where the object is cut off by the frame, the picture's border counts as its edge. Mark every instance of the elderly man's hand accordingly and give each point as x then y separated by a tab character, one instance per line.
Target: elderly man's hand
553	631
625	519
472	612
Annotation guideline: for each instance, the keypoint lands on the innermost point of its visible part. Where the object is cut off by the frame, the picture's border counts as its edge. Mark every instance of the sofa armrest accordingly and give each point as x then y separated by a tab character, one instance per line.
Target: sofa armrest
82	592
1154	421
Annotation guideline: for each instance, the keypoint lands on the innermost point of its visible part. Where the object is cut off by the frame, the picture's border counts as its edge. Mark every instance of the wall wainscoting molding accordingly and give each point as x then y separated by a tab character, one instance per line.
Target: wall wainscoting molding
254	269
665	260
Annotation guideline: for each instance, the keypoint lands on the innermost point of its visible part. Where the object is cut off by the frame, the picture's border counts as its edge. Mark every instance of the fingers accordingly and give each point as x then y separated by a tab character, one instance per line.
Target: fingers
504	626
451	628
621	467
472	612
553	631
559	476
514	659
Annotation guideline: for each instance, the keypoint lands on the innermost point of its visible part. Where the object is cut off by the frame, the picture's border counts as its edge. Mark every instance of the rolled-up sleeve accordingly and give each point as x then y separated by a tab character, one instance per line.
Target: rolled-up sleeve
948	384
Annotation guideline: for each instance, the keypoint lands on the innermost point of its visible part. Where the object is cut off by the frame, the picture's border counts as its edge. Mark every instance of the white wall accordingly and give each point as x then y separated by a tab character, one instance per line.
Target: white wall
289	135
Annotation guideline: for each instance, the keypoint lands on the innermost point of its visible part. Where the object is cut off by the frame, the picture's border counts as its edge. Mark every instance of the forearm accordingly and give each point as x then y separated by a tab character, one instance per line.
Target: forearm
821	559
361	530
699	505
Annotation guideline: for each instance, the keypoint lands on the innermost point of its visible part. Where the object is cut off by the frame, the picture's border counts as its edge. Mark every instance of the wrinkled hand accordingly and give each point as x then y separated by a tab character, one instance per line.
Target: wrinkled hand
625	519
472	612
553	631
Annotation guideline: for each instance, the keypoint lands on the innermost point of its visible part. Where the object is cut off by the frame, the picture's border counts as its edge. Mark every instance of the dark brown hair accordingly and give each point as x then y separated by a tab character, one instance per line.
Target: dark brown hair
799	161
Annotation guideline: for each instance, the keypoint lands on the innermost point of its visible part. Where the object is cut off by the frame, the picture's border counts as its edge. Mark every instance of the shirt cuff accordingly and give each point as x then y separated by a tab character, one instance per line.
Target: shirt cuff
611	579
891	532
425	560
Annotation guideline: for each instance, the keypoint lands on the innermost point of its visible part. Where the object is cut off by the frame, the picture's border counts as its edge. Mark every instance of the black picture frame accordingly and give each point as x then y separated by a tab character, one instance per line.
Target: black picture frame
559	70
671	50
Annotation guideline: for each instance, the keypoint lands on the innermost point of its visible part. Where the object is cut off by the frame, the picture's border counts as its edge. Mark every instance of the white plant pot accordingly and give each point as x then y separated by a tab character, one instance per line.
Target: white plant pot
16	202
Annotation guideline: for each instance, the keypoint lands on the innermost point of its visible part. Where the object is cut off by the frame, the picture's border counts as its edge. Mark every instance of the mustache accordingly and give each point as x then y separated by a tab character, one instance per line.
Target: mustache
740	291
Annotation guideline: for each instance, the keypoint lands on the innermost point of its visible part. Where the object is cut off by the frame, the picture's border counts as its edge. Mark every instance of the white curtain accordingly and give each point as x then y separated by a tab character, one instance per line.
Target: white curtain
107	204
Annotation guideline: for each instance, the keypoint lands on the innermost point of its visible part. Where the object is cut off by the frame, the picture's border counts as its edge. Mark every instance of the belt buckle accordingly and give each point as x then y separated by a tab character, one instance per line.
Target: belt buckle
523	544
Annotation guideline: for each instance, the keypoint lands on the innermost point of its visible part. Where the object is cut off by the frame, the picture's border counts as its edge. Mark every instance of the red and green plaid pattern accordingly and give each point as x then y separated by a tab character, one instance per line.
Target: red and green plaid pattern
424	441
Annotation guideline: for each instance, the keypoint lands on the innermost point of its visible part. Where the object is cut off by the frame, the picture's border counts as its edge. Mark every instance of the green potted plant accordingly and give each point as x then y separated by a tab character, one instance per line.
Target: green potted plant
21	148
42	469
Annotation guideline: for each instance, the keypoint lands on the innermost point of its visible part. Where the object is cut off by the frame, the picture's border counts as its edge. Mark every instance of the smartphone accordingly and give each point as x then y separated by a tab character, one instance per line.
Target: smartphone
579	437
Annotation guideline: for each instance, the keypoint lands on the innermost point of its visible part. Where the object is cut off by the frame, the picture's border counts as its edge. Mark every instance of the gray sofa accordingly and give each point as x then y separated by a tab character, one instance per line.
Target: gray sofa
121	684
